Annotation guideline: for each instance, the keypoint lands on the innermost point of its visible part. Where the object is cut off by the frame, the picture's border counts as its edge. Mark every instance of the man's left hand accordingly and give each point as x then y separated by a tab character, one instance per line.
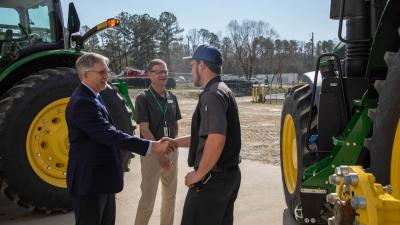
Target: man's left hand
172	144
192	178
162	147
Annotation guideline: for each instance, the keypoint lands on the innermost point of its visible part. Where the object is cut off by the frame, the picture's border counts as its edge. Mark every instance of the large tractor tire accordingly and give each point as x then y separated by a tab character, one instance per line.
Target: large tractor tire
34	138
122	117
293	135
384	144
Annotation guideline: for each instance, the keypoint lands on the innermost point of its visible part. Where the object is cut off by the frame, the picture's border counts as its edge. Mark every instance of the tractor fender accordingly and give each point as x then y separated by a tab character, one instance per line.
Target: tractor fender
34	63
308	78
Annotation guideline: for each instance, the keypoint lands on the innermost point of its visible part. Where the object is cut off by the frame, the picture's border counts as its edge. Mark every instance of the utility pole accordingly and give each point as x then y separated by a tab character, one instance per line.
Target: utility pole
312	48
188	48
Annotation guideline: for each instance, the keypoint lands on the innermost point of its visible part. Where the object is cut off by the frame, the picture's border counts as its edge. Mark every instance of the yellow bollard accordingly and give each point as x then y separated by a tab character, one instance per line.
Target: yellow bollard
263	93
258	93
252	94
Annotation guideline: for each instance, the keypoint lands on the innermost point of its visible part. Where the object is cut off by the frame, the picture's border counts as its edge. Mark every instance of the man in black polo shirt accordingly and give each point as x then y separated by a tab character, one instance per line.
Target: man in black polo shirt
157	114
215	144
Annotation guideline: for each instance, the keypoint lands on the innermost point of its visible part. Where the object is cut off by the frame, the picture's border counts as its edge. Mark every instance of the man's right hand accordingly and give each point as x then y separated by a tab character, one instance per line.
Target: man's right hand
179	142
162	147
173	143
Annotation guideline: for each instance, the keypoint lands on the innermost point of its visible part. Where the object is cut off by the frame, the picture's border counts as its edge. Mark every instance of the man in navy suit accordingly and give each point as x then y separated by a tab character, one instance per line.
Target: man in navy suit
94	171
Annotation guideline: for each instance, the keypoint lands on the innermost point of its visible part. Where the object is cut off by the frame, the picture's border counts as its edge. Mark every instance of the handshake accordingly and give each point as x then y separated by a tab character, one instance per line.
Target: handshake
167	145
164	146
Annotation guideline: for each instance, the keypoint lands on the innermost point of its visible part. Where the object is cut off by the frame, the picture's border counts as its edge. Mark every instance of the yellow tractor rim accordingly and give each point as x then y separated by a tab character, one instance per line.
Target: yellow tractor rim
395	164
47	143
289	154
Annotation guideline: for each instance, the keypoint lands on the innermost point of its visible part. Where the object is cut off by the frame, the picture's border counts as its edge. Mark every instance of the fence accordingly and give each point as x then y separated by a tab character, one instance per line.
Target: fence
144	82
268	94
240	87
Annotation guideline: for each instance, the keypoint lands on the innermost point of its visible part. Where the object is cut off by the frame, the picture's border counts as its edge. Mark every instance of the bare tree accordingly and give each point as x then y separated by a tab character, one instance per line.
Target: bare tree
247	42
226	47
265	61
193	38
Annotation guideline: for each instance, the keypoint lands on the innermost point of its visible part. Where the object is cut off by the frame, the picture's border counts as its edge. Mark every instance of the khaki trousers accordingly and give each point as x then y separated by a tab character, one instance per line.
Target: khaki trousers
151	174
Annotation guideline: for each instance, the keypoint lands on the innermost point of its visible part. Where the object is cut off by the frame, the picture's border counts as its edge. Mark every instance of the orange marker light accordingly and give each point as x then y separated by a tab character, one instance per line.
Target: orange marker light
112	22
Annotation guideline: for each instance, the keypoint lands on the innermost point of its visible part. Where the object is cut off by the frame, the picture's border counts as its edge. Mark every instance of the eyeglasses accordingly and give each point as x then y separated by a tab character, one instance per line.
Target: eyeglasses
101	72
159	72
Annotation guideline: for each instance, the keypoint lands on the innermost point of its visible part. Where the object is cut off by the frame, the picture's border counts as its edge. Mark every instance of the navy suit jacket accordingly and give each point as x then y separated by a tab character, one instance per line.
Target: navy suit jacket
94	164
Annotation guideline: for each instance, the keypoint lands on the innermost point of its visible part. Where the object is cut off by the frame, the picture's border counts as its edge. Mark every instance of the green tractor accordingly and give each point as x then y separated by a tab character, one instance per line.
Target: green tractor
37	77
340	132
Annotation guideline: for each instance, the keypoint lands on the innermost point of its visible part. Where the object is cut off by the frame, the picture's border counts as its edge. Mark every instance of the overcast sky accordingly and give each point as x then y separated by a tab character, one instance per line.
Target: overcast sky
292	19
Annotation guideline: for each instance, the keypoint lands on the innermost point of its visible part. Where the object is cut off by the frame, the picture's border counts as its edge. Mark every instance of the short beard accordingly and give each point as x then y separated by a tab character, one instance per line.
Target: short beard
196	80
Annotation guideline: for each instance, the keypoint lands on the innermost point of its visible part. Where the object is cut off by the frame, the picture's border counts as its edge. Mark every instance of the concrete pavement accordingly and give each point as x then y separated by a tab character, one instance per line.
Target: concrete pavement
260	201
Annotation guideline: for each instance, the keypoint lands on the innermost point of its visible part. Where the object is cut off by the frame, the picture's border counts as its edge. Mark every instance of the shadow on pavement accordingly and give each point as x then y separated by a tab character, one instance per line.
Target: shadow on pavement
12	214
9	211
260	201
288	218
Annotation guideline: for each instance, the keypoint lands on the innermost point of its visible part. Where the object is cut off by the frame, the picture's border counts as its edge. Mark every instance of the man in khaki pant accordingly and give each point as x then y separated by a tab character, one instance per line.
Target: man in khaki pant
157	115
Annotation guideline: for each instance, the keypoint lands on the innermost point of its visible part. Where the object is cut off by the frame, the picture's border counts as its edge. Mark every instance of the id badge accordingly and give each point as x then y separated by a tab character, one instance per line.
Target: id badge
166	133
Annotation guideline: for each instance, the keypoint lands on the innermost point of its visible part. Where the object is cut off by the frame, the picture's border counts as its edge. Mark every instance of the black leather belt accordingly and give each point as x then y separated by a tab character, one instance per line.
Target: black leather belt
208	176
218	169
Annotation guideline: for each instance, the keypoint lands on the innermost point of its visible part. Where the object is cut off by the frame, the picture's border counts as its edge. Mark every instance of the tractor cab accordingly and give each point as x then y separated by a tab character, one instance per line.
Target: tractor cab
27	27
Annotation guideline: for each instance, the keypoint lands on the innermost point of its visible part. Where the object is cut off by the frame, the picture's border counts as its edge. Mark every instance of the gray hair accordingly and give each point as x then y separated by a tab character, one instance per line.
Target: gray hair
87	60
155	62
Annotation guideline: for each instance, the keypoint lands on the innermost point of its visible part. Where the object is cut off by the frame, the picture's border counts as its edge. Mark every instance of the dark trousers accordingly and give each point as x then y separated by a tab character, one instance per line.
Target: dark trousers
213	202
94	209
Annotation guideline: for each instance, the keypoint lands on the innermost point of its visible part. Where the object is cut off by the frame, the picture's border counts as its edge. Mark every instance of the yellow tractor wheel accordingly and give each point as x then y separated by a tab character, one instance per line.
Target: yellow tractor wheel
47	143
395	164
294	155
34	137
289	154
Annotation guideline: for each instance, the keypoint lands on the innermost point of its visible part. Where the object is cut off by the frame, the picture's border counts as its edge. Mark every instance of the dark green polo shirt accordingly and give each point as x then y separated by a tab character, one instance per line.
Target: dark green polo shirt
148	110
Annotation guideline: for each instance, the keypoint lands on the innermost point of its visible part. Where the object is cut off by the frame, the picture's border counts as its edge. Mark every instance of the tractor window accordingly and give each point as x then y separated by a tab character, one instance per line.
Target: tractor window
29	21
8	16
8	23
8	31
25	25
39	23
36	18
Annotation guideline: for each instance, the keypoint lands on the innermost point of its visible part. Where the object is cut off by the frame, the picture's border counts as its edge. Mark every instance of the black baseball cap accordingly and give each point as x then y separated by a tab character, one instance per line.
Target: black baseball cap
207	53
